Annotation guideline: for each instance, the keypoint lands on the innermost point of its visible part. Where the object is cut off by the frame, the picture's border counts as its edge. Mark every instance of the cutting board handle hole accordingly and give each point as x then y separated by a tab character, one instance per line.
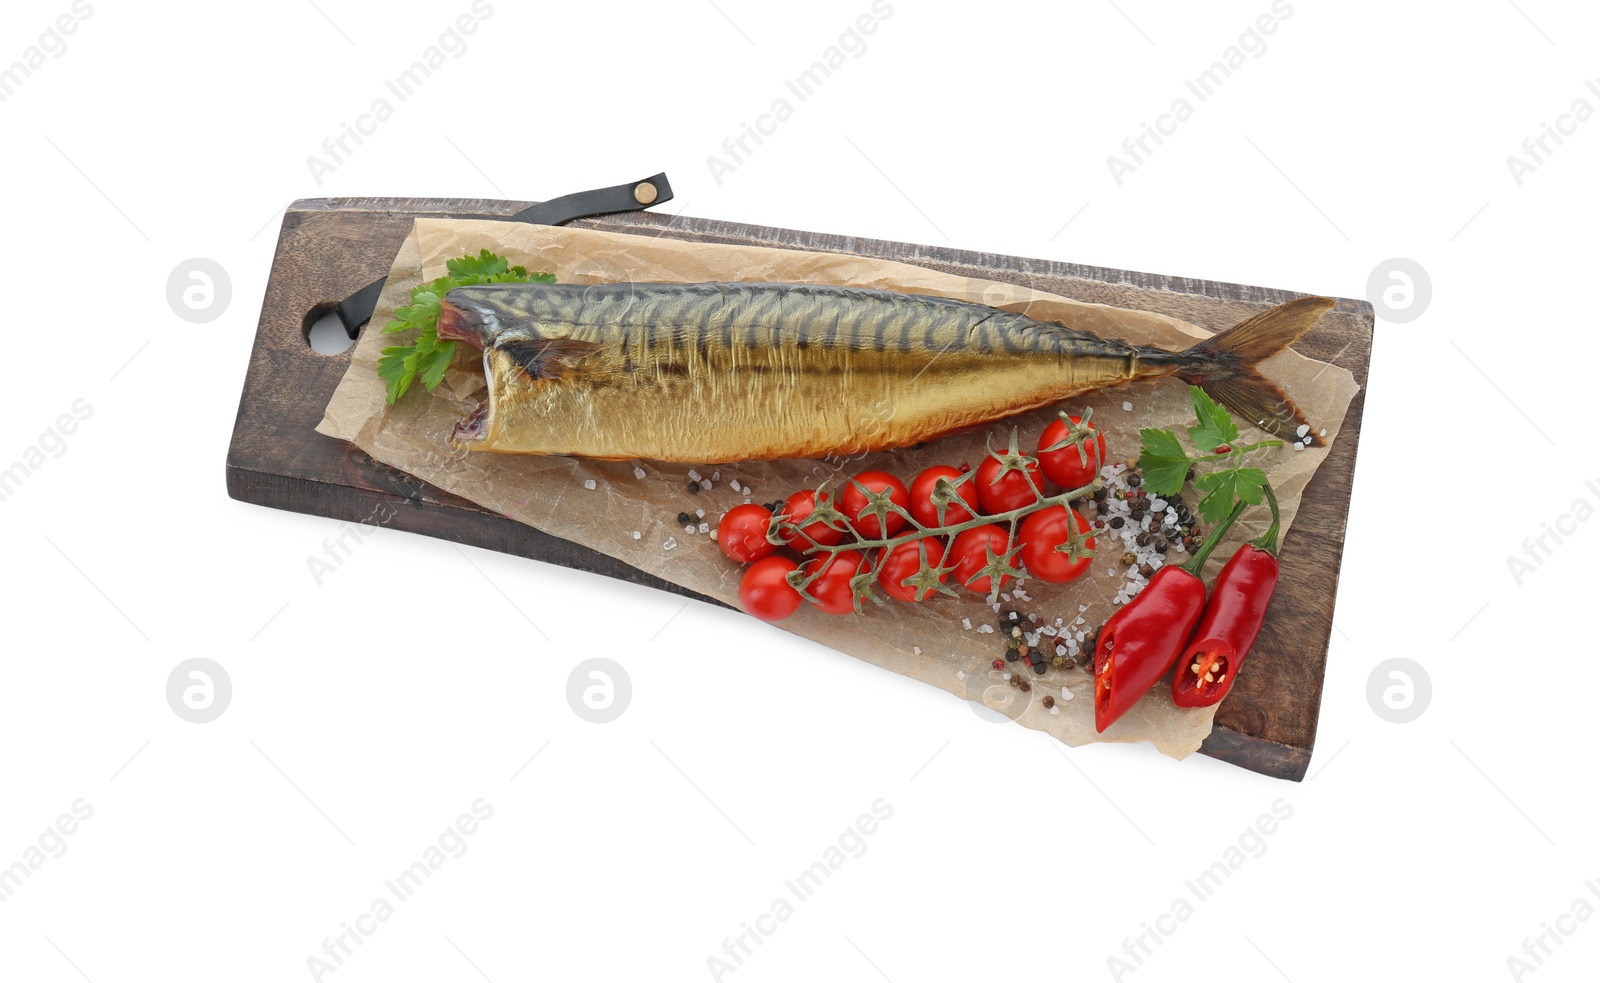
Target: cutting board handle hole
324	332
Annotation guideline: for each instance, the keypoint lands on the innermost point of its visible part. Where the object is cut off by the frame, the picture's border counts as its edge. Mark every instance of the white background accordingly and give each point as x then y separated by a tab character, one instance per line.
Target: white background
231	850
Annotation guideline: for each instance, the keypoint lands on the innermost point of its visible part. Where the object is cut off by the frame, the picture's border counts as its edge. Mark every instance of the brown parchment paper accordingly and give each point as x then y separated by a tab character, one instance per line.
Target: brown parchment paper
930	640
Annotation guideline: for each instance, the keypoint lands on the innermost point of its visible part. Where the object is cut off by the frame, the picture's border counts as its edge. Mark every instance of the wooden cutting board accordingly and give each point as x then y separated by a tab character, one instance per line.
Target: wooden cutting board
328	248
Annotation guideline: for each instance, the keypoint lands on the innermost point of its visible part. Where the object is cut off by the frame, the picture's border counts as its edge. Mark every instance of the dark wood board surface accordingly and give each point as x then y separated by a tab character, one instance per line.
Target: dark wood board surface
328	248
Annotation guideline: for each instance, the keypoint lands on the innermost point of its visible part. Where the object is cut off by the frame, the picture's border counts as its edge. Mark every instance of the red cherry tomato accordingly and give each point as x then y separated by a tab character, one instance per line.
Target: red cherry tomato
1003	492
1041	534
922	506
742	533
795	509
852	502
1065	466
764	591
970	556
831	590
903	561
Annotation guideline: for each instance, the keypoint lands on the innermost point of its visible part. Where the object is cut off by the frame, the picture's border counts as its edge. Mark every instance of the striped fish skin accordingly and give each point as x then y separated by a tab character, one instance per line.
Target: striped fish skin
722	372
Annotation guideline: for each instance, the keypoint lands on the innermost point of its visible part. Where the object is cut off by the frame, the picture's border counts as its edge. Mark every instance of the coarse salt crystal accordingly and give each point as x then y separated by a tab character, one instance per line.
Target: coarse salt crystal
699	513
917	650
985	629
1127	407
1302	430
589	483
1082	608
670	544
966	623
959	673
637	534
638	473
1298	446
689	530
734	484
1005	597
705	527
1323	432
1061	650
716	476
1066	694
694	475
1055	711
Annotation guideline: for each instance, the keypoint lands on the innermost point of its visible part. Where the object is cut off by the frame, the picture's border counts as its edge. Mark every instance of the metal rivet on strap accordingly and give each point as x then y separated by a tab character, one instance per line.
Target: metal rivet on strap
645	193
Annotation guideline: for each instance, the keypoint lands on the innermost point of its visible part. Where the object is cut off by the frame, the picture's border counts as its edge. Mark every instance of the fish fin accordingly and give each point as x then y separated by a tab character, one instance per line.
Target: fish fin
1224	365
548	358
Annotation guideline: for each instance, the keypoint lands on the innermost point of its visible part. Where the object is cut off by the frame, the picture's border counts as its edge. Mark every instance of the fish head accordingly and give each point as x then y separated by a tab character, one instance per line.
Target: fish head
466	319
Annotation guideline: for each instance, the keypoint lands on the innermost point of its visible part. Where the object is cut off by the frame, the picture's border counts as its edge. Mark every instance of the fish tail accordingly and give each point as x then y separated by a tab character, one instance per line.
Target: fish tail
1226	365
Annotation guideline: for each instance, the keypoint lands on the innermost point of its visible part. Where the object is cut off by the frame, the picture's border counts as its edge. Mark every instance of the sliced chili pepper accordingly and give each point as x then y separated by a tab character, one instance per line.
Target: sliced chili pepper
1231	621
1139	643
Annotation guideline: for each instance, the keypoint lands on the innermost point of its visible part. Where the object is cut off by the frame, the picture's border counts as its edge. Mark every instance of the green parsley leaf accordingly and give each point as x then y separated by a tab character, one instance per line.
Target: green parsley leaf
432	365
1216	428
485	264
1163	461
1222	487
396	368
427	355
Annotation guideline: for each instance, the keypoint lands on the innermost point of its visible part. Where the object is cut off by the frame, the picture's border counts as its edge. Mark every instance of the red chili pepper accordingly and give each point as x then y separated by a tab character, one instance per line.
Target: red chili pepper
1231	621
1140	642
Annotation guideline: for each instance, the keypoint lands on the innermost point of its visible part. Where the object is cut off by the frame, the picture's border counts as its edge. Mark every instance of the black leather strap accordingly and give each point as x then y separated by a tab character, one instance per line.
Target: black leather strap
356	309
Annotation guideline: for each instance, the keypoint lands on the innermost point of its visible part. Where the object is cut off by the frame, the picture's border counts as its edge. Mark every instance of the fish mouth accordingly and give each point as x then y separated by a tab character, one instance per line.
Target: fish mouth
475	427
462	324
471	326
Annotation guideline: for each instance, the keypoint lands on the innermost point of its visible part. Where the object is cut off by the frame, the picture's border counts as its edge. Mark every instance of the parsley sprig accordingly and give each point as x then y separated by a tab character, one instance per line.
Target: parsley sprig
1167	465
427	356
